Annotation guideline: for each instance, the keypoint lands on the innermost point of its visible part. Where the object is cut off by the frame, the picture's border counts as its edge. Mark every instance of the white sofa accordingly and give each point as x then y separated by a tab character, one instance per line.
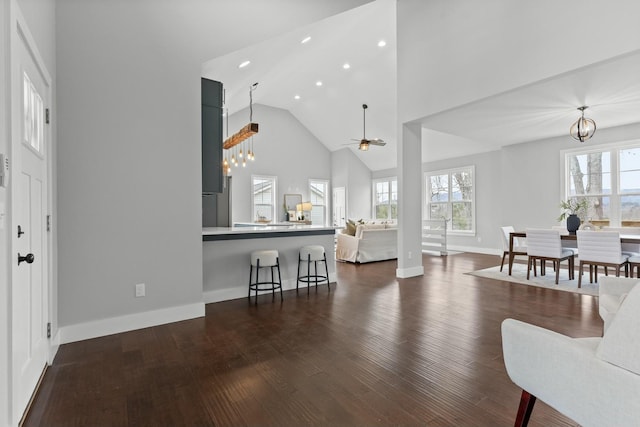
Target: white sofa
594	381
371	242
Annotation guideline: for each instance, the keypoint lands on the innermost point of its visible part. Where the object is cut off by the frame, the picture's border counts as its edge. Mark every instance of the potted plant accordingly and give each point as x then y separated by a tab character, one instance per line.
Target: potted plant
571	209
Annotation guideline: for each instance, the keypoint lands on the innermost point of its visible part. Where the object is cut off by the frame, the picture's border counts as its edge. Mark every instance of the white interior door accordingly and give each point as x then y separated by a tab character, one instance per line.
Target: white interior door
339	207
30	299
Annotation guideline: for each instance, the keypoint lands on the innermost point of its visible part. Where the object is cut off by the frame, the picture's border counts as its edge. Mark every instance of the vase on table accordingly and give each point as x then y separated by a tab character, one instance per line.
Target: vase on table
573	223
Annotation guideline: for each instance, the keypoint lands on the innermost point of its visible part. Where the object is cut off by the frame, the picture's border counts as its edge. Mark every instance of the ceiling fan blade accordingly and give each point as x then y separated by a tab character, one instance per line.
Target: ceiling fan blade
379	142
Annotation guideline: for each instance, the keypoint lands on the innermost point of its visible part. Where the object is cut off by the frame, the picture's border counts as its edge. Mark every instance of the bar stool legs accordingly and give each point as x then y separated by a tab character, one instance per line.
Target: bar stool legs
312	254
264	259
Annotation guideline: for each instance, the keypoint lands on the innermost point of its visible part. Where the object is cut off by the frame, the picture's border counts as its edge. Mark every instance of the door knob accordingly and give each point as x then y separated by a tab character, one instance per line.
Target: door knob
28	258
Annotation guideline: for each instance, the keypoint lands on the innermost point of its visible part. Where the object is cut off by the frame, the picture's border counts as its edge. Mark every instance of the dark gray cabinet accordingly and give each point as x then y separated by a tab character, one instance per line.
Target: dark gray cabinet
211	94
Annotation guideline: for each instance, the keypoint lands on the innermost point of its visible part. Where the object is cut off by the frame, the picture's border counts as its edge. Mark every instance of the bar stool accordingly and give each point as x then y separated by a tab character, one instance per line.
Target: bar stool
265	259
312	254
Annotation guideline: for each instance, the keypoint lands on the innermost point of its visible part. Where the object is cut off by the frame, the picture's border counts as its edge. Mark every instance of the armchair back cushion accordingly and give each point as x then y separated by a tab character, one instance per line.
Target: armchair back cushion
620	344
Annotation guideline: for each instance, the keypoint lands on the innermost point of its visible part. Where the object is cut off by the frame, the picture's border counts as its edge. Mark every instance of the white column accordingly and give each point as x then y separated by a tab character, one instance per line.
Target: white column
410	201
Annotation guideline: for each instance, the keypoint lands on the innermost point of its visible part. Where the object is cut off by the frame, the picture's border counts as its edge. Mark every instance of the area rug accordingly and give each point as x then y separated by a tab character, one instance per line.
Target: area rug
519	275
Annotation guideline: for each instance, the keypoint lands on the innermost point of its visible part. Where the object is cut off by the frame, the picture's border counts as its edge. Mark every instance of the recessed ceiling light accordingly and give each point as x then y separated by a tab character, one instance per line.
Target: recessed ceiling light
318	83
244	64
346	66
296	97
382	43
306	39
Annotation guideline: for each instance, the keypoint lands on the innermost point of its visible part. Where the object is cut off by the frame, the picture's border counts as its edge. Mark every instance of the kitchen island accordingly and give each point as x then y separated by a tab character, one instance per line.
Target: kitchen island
226	255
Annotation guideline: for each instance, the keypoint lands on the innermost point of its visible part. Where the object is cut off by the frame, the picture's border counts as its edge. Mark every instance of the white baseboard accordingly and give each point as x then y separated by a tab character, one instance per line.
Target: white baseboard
404	273
130	322
475	249
237	292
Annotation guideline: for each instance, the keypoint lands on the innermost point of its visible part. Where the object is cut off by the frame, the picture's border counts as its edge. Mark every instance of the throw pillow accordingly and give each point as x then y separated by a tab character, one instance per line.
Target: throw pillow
620	345
351	228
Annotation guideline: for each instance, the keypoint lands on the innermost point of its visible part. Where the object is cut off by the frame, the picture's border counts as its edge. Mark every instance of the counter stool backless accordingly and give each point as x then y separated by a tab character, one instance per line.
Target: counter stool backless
262	260
312	254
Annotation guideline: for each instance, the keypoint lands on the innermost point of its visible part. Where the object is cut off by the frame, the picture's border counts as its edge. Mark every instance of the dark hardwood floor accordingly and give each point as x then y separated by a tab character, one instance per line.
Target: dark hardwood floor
375	351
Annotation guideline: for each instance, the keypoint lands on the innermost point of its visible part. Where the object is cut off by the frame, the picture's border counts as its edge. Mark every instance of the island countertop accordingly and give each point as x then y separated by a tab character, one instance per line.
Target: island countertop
264	231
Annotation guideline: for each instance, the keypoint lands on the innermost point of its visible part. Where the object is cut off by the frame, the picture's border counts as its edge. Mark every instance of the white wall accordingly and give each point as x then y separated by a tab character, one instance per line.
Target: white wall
283	148
129	142
451	53
348	171
518	185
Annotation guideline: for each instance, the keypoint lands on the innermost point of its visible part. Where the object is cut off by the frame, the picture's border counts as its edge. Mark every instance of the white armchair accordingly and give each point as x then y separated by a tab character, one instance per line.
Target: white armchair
612	291
594	381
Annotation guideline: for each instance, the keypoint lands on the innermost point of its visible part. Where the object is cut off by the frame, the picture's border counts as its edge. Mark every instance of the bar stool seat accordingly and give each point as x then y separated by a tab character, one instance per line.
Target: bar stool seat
265	259
313	254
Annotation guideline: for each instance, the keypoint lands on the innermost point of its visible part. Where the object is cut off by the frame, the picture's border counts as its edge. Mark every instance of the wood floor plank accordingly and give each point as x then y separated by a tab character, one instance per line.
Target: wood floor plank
376	350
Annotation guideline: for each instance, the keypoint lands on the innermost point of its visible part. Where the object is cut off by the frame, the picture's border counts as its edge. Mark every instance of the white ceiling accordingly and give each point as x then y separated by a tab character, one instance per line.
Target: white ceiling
285	67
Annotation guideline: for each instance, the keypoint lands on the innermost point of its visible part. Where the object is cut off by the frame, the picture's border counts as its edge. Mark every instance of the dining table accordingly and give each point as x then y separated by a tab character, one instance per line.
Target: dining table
624	238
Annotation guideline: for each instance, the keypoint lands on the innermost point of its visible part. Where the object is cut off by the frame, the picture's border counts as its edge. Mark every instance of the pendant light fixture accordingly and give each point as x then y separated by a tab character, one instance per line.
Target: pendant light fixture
239	147
583	128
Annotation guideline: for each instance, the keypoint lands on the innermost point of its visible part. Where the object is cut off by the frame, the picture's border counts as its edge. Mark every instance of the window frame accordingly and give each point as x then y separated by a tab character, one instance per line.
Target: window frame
615	196
326	206
274	182
426	202
390	180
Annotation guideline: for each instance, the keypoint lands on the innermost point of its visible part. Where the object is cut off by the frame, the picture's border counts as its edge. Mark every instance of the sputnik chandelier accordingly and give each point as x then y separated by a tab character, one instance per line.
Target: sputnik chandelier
583	128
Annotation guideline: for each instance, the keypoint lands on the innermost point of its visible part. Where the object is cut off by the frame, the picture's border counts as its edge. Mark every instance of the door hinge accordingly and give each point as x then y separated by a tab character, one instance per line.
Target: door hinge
48	222
49	330
46	116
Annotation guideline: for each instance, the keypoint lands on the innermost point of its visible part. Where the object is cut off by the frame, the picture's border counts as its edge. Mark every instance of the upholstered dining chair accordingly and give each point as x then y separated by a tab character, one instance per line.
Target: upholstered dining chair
634	265
519	244
545	245
600	248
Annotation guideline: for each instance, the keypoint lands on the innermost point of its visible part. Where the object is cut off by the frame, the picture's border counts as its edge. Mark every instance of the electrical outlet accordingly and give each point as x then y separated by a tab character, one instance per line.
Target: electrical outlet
410	254
140	291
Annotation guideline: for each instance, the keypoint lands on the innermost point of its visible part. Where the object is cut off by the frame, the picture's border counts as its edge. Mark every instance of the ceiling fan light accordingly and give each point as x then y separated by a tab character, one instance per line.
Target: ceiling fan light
584	128
363	146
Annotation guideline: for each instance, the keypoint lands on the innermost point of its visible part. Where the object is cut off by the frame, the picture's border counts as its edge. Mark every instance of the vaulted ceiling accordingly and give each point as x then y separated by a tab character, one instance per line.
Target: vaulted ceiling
285	67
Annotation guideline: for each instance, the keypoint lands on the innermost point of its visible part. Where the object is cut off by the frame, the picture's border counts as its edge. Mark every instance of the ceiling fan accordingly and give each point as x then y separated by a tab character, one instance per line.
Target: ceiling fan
364	143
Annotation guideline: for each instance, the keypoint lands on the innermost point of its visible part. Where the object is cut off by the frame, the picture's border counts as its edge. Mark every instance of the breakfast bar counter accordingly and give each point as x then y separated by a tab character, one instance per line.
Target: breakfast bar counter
226	255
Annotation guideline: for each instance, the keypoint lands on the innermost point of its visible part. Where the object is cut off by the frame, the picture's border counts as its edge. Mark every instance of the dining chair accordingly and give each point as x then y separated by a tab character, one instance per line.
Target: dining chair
631	249
545	245
600	248
519	244
634	265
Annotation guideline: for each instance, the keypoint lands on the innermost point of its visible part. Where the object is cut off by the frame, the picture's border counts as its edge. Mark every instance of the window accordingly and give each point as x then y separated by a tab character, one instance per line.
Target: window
319	190
33	115
385	198
450	195
610	180
263	200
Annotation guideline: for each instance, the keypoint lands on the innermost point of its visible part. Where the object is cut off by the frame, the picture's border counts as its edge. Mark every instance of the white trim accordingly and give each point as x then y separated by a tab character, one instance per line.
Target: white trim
274	197
615	195
238	292
327	206
389	180
404	273
475	249
129	322
425	201
18	33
